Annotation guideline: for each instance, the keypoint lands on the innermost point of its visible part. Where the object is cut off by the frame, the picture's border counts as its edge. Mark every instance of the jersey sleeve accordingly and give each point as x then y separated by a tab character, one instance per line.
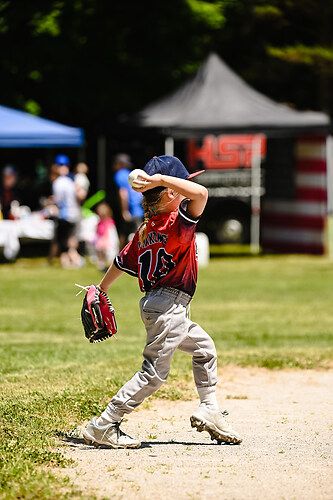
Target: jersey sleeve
185	216
186	223
127	259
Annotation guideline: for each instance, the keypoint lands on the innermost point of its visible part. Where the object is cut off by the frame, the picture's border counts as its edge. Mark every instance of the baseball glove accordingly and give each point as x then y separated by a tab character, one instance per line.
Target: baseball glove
97	315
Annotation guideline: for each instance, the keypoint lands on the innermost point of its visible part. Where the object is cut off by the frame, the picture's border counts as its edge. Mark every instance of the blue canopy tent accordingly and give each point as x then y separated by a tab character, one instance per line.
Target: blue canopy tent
23	130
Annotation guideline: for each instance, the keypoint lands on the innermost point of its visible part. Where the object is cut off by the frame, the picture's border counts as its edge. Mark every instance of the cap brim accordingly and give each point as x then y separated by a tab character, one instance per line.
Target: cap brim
194	174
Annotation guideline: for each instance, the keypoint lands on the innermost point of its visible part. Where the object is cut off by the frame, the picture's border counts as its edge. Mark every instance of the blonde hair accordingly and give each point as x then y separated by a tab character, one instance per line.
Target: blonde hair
150	203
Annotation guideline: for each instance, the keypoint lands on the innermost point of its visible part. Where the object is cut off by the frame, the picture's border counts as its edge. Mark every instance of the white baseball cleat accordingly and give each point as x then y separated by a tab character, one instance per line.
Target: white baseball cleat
214	423
108	435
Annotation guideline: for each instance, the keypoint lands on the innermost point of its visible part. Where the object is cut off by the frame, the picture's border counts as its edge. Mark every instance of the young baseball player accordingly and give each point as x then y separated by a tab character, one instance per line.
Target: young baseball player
162	255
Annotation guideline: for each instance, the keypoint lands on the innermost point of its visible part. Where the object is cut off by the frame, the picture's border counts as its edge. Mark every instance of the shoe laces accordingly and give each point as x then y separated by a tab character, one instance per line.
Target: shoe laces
82	288
224	413
116	425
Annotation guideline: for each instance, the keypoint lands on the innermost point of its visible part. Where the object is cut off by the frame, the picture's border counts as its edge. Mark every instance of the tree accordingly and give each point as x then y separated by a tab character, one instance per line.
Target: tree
284	48
83	60
311	45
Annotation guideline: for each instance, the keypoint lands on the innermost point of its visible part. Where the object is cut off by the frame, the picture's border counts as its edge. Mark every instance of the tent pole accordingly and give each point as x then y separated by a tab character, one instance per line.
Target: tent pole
81	154
255	195
329	184
329	163
101	161
169	146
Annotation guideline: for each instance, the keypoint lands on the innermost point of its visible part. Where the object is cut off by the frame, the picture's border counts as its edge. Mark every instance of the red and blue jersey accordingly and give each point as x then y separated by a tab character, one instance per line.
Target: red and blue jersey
167	257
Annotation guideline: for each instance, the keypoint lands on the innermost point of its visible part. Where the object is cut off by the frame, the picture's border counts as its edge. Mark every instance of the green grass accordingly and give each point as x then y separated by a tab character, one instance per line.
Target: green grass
261	311
269	311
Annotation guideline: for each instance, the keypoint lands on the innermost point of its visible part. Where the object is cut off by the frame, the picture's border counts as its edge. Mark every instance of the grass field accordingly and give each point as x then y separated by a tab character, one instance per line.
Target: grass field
267	311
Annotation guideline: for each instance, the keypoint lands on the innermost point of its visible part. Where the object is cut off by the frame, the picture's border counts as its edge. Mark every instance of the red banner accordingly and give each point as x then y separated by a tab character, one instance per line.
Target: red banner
225	151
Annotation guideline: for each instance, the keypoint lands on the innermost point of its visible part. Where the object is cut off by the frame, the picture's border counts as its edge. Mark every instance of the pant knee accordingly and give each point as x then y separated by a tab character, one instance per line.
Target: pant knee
153	376
206	354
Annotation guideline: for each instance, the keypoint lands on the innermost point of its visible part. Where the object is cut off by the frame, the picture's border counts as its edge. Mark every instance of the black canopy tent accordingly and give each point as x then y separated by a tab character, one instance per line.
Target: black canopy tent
216	100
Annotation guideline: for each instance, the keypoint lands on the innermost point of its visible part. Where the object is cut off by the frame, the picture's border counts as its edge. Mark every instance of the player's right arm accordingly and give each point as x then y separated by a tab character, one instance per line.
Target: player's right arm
125	262
196	193
112	274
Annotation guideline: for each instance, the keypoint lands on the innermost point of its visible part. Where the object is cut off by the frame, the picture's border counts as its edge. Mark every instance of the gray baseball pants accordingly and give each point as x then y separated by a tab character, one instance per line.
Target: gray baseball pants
164	314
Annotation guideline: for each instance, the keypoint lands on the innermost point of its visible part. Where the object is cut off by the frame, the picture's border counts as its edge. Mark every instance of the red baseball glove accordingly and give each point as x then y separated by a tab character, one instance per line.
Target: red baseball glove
98	316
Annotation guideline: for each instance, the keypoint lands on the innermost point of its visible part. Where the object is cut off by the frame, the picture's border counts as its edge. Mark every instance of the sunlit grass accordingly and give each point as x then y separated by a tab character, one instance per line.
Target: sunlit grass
273	311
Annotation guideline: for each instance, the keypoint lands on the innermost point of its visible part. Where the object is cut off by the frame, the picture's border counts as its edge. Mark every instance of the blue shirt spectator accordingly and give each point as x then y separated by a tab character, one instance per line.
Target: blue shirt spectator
134	198
130	201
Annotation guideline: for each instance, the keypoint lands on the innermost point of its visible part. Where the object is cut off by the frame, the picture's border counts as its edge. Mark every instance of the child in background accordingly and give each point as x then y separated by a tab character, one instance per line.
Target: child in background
81	180
106	239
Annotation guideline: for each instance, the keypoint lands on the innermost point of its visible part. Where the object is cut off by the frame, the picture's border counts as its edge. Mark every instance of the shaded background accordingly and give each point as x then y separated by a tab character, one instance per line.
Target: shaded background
93	63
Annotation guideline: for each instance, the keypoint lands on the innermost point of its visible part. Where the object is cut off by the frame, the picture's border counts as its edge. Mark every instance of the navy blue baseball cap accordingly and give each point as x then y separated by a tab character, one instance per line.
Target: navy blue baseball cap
168	165
62	160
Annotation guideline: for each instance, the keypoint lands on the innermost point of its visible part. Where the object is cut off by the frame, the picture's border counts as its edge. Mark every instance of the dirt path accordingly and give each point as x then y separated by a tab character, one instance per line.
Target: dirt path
285	419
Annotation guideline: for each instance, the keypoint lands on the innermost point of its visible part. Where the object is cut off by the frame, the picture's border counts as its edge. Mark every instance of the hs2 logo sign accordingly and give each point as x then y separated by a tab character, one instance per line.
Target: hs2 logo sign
225	151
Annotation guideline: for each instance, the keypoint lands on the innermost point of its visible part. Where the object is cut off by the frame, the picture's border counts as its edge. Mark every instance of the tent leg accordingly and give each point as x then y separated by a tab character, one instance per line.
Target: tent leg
329	184
81	154
101	161
329	163
169	146
255	196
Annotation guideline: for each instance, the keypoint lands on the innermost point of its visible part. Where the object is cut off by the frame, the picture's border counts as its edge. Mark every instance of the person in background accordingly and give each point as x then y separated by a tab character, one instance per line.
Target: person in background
106	241
130	201
46	198
9	192
81	180
69	214
49	209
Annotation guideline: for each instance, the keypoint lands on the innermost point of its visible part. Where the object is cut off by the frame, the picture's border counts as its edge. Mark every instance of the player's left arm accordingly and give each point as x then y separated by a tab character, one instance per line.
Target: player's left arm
196	193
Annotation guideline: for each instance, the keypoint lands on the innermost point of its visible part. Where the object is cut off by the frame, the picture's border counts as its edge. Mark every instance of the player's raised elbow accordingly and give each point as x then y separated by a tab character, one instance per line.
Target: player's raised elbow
203	195
198	203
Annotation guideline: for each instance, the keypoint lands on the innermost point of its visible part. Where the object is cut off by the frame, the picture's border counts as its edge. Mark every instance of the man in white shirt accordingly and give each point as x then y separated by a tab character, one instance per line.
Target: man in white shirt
69	215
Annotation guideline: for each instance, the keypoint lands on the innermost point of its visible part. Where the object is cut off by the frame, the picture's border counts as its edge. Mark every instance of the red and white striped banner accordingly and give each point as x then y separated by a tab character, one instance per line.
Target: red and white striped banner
298	225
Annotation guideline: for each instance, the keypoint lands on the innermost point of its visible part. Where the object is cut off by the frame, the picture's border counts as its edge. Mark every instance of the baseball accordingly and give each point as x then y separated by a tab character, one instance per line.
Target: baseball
133	176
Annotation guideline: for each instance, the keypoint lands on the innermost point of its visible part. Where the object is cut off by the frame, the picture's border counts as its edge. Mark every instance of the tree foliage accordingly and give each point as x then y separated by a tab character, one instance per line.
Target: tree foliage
92	58
282	48
84	61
